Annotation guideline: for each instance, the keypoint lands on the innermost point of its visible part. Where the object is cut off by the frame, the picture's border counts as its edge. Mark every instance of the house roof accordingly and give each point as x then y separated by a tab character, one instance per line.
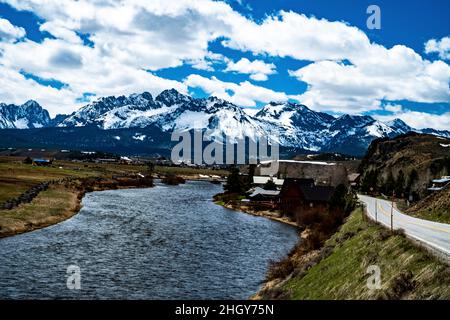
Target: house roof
298	182
320	163
264	179
309	190
442	180
261	191
435	188
317	193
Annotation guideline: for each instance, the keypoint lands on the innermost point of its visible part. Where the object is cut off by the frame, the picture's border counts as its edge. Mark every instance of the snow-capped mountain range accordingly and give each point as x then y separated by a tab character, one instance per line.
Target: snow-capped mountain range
293	125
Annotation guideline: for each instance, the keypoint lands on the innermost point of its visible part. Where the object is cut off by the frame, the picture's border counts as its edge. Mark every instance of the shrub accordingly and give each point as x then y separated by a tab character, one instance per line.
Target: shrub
172	179
27	160
400	285
280	269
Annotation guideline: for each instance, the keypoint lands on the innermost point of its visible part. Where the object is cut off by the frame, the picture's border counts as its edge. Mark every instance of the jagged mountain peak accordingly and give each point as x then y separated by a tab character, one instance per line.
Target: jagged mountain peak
275	108
348	120
172	96
398	123
145	96
294	115
32	104
28	115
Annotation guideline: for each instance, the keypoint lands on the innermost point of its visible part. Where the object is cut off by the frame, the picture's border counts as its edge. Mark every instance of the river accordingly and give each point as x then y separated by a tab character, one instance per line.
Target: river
166	242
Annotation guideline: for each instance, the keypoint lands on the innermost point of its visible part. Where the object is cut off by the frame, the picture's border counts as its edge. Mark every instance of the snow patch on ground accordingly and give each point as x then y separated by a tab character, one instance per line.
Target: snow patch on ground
138	136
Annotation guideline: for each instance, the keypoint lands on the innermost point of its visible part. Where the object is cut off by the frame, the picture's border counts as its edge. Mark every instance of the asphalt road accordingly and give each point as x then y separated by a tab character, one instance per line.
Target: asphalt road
434	234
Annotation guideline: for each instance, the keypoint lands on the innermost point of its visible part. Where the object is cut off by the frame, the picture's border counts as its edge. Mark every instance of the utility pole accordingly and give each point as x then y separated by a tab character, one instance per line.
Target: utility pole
376	209
392	212
362	211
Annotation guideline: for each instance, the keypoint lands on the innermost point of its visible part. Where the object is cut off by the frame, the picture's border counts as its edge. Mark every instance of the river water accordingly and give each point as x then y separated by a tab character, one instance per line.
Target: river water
166	242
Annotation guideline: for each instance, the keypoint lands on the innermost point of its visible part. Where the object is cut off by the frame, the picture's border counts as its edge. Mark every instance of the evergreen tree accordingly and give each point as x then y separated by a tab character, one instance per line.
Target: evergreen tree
400	184
150	167
412	177
251	174
389	184
369	181
234	183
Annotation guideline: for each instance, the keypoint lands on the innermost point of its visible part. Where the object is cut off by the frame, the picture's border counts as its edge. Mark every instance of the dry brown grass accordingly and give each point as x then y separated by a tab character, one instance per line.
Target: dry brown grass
49	207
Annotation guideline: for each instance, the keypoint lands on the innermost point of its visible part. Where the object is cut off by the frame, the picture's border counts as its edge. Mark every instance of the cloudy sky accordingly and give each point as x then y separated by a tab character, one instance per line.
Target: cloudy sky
64	53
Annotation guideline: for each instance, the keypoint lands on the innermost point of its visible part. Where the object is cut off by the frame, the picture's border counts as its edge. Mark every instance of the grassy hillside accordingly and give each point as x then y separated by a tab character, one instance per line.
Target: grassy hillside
435	207
338	271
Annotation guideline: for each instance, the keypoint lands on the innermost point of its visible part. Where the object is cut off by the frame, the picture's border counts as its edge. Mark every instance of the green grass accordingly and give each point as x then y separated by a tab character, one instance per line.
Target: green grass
406	270
434	215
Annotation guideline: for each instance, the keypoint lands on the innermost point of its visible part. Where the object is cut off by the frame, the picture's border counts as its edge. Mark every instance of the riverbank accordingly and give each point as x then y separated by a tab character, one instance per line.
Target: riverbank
60	201
339	269
269	214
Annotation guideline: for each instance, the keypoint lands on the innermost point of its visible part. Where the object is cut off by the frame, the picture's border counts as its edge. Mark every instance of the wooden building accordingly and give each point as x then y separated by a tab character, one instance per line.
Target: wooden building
300	197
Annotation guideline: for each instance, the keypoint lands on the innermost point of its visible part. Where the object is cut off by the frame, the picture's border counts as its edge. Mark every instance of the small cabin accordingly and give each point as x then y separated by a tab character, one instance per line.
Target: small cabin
125	160
41	162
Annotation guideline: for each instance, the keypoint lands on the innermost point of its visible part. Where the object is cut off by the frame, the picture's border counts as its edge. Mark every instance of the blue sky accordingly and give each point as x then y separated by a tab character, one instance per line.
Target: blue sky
319	53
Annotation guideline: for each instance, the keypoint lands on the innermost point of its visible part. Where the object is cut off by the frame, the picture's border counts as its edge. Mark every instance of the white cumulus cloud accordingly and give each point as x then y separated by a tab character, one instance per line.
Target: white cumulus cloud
441	47
384	74
421	120
10	32
257	69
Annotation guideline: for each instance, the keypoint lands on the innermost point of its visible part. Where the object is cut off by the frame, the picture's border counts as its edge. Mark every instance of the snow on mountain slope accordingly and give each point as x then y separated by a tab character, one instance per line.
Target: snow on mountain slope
290	124
28	115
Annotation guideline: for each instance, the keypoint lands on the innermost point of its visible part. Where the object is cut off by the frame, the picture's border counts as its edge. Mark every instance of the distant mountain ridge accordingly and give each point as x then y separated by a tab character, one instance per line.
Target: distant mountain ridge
292	125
